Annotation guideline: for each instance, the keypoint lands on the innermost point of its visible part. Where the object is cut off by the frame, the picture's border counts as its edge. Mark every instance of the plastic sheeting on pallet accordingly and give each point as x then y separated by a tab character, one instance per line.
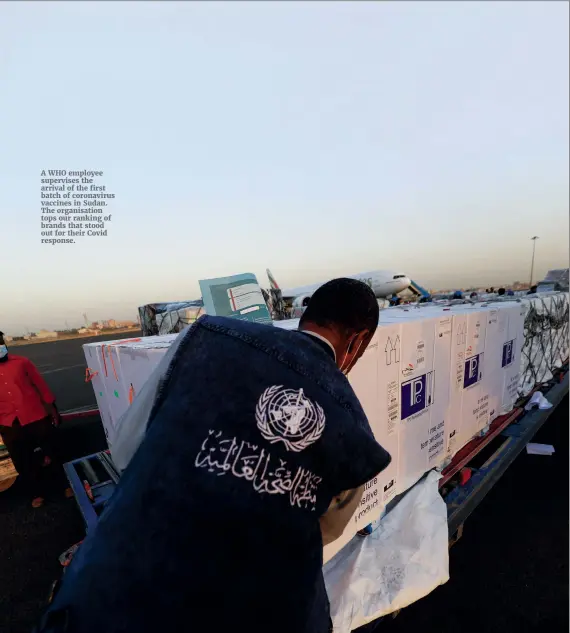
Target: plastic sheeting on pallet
158	319
405	559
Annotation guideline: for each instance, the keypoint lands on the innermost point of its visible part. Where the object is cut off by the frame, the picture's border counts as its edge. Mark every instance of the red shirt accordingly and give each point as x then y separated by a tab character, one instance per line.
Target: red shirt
23	392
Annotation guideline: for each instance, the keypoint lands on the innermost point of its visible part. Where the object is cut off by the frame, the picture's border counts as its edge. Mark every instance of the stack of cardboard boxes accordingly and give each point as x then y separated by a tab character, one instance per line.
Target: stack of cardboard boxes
431	379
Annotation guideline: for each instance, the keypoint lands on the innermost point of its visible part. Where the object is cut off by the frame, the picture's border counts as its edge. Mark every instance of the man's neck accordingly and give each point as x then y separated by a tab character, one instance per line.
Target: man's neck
321	334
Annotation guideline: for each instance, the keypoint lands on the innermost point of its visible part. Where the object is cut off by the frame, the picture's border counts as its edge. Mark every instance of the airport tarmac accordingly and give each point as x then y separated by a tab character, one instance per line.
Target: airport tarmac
62	364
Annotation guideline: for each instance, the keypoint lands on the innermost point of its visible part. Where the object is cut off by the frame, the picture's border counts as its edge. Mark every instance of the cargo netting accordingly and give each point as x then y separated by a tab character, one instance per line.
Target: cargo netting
546	342
169	318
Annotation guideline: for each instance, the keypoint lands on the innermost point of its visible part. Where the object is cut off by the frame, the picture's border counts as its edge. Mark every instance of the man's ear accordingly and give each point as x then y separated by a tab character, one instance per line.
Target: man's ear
356	340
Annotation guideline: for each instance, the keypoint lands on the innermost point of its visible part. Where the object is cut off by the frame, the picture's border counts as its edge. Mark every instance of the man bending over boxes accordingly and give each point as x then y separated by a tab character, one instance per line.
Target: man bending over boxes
243	455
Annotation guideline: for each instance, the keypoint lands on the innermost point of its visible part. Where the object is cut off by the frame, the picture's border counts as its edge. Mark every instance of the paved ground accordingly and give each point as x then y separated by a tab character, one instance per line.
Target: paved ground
509	572
62	364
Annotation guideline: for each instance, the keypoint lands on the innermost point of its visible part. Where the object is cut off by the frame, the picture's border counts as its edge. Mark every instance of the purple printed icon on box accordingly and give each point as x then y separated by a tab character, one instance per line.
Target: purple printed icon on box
417	394
473	372
508	353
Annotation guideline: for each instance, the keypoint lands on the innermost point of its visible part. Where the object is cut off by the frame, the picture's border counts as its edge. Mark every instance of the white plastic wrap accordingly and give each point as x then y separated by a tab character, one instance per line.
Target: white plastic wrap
405	559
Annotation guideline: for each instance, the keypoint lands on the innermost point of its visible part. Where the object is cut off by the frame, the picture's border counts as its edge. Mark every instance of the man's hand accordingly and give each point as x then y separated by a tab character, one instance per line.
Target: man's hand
53	414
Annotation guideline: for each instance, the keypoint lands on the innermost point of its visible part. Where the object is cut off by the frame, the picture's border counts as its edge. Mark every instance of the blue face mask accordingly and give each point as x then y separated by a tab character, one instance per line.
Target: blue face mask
3	351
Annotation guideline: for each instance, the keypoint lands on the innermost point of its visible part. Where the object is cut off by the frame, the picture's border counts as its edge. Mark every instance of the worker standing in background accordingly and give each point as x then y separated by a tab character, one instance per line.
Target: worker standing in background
245	452
28	418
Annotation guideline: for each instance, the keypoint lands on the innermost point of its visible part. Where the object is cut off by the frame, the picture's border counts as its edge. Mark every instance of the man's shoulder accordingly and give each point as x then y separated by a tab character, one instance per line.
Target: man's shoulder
17	364
21	360
299	354
247	331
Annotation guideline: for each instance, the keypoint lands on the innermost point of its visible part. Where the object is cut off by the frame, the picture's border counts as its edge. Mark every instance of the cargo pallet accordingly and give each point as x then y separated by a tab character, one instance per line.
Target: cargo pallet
93	478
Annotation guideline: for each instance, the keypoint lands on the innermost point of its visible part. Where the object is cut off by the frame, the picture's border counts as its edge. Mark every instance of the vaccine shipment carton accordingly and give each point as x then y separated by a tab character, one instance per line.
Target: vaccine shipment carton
511	359
381	404
118	371
423	386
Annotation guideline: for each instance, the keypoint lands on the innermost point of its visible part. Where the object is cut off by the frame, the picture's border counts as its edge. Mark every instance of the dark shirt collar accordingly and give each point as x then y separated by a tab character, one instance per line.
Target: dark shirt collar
323	343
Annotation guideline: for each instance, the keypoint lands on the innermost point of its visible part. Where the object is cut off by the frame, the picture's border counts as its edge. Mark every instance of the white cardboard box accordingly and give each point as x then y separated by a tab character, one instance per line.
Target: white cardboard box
93	358
118	371
496	341
384	420
511	357
457	370
375	380
475	404
428	328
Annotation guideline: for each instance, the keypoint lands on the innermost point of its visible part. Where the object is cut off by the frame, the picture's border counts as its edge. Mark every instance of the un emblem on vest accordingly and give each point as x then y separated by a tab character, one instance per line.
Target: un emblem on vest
288	416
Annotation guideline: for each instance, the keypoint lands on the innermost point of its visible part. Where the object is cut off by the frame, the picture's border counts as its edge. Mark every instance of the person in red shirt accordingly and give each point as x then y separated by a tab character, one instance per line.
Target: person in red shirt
28	419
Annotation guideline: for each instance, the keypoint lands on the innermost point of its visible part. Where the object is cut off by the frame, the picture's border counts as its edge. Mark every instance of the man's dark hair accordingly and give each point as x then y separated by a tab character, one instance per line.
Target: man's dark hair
501	292
346	303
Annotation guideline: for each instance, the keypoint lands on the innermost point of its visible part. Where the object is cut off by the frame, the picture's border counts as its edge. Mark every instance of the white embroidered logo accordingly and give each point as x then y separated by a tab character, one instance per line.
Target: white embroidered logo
286	415
221	456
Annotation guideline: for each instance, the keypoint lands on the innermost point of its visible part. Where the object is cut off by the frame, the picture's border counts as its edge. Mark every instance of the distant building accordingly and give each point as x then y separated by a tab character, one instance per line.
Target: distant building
126	324
46	334
112	323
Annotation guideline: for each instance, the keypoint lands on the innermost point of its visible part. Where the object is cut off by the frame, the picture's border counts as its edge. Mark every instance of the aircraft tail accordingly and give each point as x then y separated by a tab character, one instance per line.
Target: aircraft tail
279	311
274	285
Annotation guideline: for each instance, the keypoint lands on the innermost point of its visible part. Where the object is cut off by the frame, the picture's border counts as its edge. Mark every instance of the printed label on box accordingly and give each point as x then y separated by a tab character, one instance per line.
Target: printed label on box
436	441
420	354
444	328
417	394
508	353
473	373
393	407
389	491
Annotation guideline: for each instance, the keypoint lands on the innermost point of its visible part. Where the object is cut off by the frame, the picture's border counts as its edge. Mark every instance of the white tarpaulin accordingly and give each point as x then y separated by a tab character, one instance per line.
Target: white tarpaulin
406	558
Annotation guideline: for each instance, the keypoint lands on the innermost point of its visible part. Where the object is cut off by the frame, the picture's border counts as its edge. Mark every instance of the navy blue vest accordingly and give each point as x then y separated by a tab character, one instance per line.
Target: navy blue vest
214	523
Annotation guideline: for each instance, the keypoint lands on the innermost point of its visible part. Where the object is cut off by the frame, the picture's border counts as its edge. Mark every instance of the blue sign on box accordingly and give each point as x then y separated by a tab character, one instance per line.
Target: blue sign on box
417	394
508	353
473	372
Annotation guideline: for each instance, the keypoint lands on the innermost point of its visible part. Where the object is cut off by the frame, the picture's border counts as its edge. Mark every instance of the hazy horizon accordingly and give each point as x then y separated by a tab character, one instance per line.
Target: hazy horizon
316	139
77	321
